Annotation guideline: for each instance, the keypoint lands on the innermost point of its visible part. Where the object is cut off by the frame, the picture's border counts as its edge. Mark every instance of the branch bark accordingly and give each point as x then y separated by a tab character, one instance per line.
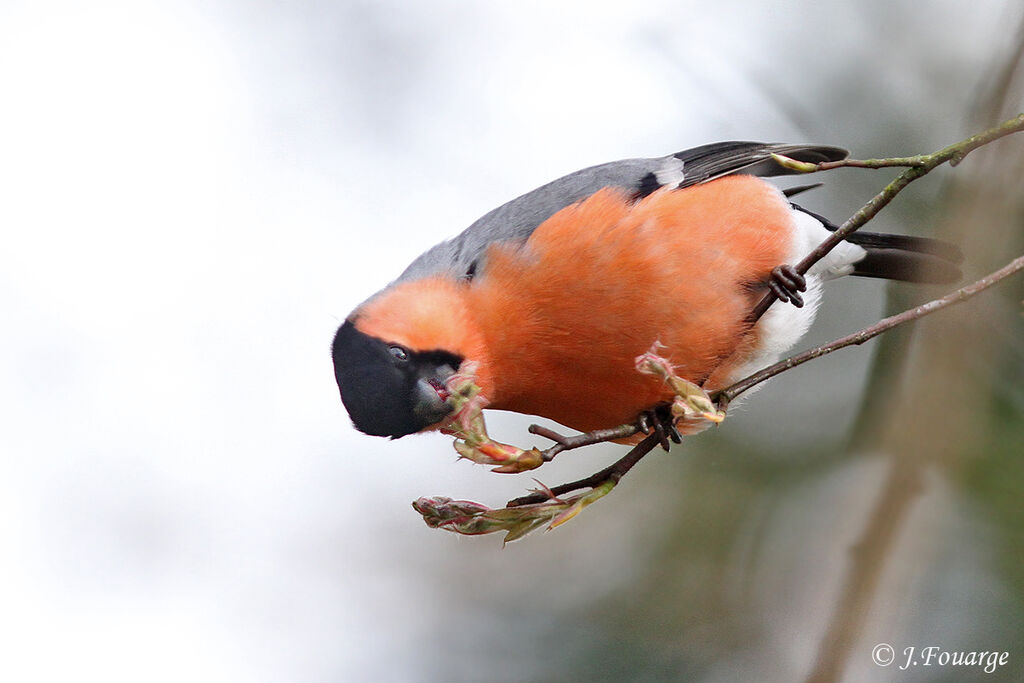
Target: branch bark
568	443
612	473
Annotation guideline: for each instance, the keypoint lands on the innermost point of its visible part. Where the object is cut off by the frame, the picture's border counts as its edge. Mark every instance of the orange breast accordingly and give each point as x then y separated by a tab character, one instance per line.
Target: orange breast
599	282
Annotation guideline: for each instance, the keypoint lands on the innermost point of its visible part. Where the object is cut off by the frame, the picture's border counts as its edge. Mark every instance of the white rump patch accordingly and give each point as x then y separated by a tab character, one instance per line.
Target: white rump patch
838	262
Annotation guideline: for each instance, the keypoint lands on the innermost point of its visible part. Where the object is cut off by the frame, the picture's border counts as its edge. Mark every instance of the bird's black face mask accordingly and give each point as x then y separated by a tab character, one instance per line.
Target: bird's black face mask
390	390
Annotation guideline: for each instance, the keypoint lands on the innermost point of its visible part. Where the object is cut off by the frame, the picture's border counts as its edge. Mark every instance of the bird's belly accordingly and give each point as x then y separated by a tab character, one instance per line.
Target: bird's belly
585	401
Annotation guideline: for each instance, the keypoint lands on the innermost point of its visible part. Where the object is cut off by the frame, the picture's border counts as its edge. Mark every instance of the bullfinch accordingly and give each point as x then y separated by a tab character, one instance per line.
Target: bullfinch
554	294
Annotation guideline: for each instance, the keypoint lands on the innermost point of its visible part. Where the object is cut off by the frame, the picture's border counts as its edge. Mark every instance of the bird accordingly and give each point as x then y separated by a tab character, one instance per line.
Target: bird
553	295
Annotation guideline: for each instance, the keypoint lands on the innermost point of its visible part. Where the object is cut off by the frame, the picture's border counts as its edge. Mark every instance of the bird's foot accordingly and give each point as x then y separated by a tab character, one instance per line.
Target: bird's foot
660	420
787	284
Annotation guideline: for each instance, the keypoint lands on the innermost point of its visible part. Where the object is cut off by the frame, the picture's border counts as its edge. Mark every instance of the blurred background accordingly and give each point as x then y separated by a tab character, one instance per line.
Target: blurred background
194	194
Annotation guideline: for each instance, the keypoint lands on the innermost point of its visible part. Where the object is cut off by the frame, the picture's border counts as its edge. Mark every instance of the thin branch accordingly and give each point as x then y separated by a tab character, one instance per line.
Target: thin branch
922	165
807	167
729	393
612	473
568	443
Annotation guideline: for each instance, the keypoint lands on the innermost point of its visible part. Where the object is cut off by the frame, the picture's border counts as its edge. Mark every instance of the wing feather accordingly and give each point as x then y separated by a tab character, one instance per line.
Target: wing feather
463	255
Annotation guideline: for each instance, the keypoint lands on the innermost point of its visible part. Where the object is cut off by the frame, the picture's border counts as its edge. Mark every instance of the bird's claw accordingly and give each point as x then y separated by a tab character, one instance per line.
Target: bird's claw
692	406
660	421
787	284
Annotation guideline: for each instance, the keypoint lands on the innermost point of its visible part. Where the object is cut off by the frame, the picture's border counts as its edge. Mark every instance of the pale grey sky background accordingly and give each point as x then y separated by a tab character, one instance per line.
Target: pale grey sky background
194	194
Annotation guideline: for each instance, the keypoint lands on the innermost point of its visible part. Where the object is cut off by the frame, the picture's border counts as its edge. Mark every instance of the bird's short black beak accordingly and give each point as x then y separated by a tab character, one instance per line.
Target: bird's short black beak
432	400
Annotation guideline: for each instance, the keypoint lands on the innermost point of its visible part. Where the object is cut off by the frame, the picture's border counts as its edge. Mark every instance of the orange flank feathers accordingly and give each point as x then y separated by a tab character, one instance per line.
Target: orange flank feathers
556	324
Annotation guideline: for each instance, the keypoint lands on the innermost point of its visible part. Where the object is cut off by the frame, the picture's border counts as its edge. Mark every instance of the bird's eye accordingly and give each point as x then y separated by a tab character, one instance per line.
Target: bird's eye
398	352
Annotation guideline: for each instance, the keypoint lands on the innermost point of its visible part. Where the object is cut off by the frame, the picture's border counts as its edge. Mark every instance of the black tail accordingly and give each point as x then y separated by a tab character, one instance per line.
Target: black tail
911	259
901	257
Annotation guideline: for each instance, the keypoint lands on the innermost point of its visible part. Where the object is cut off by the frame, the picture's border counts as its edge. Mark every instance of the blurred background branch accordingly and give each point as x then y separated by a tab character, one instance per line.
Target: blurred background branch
983	209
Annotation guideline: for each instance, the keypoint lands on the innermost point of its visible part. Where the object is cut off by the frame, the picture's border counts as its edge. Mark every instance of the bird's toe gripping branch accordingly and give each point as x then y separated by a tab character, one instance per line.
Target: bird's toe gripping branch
786	283
692	409
663	425
468	427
